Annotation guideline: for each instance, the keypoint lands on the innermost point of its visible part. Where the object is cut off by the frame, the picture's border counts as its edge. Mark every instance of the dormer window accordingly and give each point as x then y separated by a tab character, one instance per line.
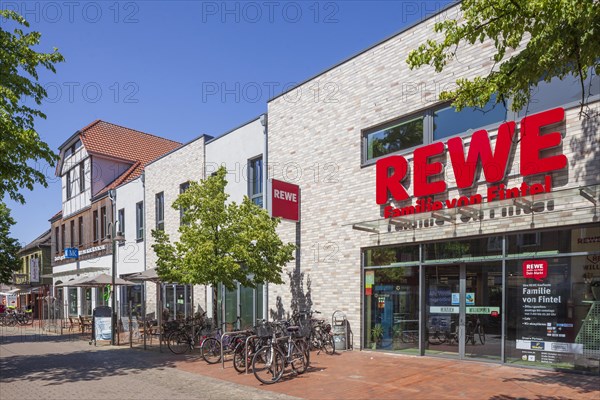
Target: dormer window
73	148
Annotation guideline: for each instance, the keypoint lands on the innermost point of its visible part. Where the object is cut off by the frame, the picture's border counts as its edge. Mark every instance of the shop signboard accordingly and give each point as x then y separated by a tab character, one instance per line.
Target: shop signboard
545	332
285	200
427	177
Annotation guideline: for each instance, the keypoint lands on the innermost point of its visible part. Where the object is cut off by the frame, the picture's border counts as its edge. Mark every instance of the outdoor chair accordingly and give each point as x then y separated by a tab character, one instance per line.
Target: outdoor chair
73	324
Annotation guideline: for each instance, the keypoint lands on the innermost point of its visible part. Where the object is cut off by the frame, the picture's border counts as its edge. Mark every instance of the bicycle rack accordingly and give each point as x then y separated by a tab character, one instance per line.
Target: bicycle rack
221	340
247	341
339	325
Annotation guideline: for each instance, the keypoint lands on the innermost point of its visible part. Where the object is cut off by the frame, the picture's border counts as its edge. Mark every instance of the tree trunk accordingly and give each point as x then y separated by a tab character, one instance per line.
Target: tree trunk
215	301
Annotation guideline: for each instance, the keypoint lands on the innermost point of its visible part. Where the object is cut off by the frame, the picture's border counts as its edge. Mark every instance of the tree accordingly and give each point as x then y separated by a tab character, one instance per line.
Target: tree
221	242
553	38
19	141
9	247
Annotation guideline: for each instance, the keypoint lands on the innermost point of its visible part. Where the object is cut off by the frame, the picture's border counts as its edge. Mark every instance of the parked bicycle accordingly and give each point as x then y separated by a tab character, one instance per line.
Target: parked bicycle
320	336
189	335
211	346
270	362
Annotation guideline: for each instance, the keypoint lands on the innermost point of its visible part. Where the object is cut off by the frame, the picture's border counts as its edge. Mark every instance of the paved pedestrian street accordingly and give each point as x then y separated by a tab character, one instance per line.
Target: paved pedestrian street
47	366
36	365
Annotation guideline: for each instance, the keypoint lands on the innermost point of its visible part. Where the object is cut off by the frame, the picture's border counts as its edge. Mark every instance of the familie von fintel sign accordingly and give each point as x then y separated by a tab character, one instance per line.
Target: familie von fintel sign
392	171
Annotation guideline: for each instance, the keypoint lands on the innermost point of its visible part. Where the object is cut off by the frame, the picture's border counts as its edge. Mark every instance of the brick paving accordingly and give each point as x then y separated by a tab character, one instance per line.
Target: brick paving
50	366
40	366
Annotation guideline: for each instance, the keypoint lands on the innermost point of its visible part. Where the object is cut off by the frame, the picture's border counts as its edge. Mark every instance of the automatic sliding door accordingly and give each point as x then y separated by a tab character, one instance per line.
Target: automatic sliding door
442	287
483	327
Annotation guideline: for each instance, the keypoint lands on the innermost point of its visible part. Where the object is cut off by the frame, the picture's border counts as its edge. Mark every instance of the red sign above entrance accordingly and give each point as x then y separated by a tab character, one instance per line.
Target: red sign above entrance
426	175
285	200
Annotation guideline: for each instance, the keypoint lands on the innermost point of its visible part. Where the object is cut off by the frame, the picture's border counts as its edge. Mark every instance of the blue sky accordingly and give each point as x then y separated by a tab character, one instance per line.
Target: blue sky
180	69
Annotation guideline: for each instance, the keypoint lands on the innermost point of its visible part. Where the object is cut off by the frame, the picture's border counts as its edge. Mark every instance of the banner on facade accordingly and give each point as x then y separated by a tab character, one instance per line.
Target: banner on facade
34	270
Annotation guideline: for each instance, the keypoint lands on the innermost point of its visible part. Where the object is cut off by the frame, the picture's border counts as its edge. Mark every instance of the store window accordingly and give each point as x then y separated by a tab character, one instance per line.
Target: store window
132	300
86	301
463	250
72	304
384	256
391	303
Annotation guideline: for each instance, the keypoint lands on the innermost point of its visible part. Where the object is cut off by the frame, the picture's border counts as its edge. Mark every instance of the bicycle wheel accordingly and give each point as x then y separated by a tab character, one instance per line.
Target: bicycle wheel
240	358
211	350
481	334
178	342
268	365
436	338
328	344
298	359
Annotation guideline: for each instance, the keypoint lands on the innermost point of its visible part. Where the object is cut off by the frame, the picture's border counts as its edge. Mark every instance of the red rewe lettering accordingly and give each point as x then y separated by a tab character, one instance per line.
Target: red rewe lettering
494	163
532	143
423	170
392	182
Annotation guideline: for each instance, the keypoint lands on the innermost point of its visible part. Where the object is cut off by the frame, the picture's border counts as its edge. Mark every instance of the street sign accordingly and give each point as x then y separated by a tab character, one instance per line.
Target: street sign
71	252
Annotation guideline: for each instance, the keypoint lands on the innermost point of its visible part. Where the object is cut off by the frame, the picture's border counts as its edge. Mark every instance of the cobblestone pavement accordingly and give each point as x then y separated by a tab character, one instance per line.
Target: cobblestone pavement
48	366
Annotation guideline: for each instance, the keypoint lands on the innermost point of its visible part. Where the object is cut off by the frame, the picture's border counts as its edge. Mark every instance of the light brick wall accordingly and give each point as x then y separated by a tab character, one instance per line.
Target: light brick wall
165	175
315	141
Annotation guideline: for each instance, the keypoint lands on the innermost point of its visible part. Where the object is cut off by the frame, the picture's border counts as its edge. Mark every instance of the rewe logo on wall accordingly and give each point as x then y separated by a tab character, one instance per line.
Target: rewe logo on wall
392	171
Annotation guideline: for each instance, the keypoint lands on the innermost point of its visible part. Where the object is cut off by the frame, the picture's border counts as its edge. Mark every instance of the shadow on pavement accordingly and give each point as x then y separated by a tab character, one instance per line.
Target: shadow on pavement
583	384
78	366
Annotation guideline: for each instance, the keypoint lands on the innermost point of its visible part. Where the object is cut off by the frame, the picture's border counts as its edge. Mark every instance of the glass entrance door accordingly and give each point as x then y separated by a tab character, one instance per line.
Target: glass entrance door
463	310
442	288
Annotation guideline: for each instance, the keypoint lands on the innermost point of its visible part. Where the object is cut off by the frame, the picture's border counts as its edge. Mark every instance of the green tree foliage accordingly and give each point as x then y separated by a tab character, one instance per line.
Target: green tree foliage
9	260
19	142
221	242
555	38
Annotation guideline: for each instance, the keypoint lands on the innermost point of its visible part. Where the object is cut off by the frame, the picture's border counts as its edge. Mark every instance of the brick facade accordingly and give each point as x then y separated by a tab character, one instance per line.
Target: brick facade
315	140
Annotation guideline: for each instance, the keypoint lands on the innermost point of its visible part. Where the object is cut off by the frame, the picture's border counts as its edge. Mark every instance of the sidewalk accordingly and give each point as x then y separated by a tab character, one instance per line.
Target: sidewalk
346	375
372	375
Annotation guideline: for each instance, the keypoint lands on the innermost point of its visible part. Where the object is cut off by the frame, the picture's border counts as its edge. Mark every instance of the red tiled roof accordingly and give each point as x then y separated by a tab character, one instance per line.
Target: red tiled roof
117	142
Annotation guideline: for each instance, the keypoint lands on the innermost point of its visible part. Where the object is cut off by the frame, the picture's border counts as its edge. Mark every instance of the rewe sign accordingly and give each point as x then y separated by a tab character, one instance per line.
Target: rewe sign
392	171
285	200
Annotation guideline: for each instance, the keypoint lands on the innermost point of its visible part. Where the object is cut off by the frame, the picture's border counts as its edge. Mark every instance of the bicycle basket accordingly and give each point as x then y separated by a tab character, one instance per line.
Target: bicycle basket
264	330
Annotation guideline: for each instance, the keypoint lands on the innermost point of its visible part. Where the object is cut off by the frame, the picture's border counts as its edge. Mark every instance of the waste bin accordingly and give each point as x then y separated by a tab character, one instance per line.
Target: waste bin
101	324
339	325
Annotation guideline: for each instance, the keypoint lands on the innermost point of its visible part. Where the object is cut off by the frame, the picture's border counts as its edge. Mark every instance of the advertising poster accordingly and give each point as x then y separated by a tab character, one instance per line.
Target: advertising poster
545	333
102	328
